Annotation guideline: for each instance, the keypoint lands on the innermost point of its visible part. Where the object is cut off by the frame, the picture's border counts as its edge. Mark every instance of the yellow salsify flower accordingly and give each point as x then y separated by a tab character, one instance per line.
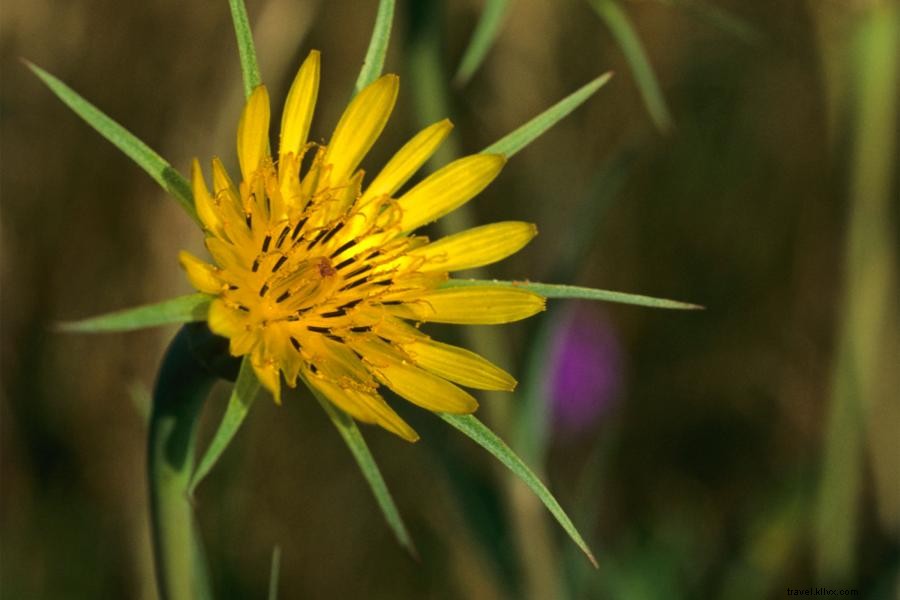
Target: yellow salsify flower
319	277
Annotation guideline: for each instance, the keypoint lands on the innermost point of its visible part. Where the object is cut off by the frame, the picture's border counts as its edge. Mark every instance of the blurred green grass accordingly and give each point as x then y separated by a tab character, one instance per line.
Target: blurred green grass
704	481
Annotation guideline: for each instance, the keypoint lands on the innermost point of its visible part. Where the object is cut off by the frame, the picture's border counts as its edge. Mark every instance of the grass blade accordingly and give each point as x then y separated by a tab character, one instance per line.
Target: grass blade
155	165
246	49
183	309
553	290
245	390
482	39
487	439
530	131
275	573
352	436
378	45
627	39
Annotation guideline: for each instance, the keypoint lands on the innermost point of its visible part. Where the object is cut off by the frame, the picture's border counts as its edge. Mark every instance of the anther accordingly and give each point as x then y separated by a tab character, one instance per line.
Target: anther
278	264
283	297
343	248
266	241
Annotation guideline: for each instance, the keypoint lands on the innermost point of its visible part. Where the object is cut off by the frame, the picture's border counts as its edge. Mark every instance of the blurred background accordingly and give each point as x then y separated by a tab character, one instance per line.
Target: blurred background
744	157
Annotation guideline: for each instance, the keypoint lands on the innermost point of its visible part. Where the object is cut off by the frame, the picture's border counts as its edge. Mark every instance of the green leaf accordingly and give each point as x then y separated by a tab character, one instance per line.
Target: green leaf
246	49
553	290
156	166
275	573
487	439
623	31
530	131
245	390
352	436
183	309
378	45
482	39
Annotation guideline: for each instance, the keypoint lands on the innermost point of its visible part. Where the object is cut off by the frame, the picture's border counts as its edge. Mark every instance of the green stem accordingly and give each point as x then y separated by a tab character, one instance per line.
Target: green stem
185	378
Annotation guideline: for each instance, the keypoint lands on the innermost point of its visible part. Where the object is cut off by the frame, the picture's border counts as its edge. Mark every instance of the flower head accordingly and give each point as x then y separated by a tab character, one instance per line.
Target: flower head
320	277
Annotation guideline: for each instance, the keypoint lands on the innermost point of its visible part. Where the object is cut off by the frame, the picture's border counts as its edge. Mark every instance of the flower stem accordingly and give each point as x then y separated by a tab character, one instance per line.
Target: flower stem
185	378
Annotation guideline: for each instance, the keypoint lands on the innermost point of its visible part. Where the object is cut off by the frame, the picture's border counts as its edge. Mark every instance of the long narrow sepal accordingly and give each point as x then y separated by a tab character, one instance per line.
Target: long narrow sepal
184	381
246	48
183	309
475	430
373	64
155	165
553	290
533	129
245	390
352	436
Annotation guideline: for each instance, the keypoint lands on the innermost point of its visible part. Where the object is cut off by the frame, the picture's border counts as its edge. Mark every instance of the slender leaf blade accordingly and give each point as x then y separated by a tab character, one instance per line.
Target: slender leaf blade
373	64
352	436
554	290
482	39
148	159
246	48
626	37
530	131
478	432
183	309
245	391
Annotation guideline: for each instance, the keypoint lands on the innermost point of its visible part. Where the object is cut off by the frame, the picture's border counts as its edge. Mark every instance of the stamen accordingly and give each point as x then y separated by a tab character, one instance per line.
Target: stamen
362	329
315	329
356	283
278	264
343	248
333	231
243	308
266	241
255	267
392	302
284	232
263	289
283	297
344	263
334	313
317	239
295	343
350	304
359	271
298	227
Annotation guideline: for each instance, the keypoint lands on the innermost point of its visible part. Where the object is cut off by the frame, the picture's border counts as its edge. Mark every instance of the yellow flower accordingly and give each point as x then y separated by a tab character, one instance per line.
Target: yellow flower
318	276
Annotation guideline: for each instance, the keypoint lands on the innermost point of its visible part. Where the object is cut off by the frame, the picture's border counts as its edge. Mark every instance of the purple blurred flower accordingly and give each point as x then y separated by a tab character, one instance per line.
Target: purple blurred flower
585	371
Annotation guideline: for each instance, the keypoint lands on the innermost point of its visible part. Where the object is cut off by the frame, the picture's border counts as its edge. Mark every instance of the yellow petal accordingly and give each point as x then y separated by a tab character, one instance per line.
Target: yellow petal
203	200
448	188
471	306
408	160
201	275
363	406
223	320
412	383
298	108
253	132
476	247
360	126
268	376
459	365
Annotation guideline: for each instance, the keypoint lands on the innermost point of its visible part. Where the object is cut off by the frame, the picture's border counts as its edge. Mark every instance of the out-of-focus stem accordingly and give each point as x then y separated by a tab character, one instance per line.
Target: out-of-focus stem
863	411
183	383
